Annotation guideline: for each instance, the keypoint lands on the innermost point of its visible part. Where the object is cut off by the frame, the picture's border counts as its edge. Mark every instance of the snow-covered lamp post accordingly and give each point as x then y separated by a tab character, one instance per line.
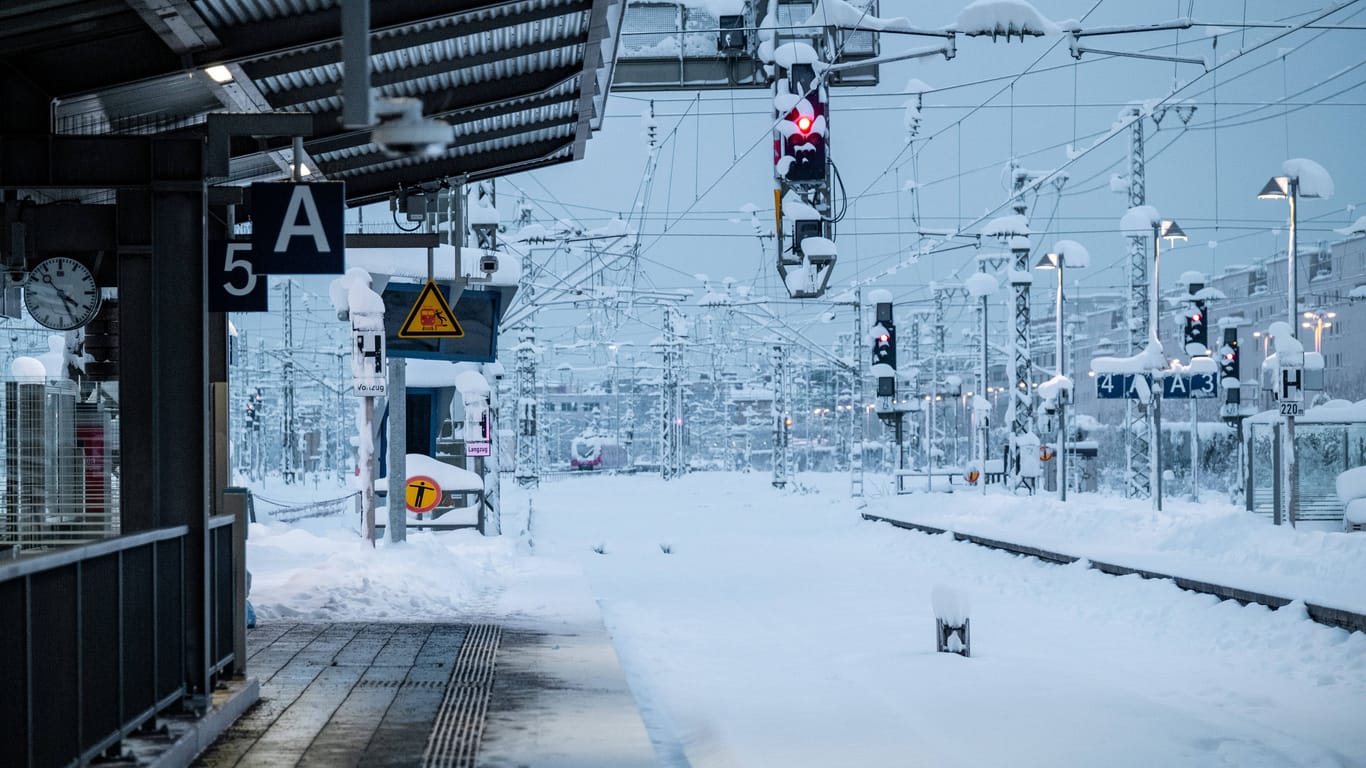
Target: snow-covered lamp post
1066	253
1300	177
1172	232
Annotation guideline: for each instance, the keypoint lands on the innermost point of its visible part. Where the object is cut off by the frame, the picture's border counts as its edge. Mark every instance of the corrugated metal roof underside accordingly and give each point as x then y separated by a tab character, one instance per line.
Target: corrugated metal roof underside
230	13
516	80
512	66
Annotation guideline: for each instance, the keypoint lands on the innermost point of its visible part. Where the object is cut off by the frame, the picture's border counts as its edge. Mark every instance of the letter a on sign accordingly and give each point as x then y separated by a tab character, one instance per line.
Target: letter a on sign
431	317
297	228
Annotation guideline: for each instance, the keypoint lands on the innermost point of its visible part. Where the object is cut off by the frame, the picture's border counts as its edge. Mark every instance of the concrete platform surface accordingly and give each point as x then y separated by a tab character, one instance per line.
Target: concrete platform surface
440	694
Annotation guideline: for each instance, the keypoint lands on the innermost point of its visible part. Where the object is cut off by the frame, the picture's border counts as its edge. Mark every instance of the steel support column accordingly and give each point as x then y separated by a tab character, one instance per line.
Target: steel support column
1137	441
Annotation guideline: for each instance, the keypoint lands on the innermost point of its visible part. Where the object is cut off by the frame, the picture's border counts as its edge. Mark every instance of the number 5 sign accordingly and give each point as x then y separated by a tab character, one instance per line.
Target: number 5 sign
235	284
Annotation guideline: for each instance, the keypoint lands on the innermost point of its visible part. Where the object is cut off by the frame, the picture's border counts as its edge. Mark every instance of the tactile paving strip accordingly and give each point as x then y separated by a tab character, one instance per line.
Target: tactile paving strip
459	726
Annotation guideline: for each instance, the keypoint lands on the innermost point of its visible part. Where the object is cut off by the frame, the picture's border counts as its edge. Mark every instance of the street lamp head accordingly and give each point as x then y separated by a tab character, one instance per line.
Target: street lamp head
1277	188
1049	261
1171	231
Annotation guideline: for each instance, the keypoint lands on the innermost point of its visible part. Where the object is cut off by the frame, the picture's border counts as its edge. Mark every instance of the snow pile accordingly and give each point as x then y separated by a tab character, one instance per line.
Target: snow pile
28	370
818	248
1139	221
1074	254
1051	389
880	296
950	605
788	54
1007	226
1314	180
448	476
1003	18
980	284
917	86
1289	351
1357	227
613	228
1150	359
1028	446
532	233
480	212
838	13
1351	487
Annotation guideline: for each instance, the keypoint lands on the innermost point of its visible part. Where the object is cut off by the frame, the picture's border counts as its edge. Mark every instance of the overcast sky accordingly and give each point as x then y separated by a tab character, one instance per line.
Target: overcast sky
1299	96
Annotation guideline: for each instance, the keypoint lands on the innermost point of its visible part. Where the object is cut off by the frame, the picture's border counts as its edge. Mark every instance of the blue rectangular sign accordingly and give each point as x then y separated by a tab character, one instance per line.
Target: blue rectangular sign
1119	386
1183	386
297	228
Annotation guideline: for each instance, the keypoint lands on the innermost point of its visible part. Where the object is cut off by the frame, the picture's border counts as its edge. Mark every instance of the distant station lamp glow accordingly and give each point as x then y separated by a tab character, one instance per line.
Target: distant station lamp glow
219	74
1318	321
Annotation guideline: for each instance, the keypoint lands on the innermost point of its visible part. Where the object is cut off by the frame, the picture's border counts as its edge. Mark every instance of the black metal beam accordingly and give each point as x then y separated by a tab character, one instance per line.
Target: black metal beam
353	162
415	34
84	162
379	184
304	94
119	48
101	52
516	102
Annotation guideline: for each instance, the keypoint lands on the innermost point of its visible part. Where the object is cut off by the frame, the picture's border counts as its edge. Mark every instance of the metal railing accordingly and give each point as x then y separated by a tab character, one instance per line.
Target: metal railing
93	645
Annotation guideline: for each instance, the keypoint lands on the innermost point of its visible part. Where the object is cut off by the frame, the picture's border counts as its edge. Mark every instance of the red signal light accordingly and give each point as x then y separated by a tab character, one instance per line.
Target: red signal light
1195	318
883	339
804	123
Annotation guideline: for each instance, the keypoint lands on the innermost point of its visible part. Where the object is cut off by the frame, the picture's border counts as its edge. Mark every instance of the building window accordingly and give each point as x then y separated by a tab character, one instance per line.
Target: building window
1256	281
1321	264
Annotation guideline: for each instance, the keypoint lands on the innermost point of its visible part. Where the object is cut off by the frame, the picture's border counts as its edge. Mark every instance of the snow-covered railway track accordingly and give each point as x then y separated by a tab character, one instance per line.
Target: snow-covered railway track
1322	614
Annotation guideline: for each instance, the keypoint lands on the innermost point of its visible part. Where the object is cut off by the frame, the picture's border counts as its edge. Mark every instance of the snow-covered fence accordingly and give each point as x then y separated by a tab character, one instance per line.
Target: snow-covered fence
325	508
1329	440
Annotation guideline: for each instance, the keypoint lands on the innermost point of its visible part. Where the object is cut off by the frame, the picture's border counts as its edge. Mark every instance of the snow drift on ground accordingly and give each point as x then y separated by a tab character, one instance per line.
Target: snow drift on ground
763	627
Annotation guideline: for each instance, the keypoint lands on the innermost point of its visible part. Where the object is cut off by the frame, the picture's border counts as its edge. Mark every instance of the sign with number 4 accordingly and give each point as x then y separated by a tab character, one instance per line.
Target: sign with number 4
235	284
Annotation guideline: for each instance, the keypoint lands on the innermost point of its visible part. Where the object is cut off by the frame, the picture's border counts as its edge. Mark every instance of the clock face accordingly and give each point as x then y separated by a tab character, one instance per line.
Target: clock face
61	294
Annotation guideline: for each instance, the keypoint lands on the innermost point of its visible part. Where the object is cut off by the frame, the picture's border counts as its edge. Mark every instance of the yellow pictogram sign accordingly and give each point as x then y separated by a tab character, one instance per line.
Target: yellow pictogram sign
423	494
431	317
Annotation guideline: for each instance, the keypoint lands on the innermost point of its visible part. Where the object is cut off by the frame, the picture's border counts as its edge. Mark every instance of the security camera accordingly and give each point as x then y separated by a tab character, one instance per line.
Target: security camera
403	131
488	263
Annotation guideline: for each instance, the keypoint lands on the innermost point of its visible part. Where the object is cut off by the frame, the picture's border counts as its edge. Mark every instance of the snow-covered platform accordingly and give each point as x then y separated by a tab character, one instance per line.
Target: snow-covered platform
408	694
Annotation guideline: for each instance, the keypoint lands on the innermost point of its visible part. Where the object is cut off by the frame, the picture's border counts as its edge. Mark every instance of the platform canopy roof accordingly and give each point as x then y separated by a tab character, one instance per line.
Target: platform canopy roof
523	82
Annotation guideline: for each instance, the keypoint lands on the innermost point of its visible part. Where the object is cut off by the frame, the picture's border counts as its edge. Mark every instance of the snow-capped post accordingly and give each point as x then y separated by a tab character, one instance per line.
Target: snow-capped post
353	298
1058	390
475	393
1287	366
982	286
782	419
952	632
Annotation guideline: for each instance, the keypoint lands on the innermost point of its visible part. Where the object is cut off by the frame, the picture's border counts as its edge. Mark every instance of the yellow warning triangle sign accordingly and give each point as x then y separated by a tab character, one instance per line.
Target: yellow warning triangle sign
431	317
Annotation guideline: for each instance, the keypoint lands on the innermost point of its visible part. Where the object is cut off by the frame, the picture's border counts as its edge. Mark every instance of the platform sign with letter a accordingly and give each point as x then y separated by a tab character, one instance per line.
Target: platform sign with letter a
297	228
431	317
1184	386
